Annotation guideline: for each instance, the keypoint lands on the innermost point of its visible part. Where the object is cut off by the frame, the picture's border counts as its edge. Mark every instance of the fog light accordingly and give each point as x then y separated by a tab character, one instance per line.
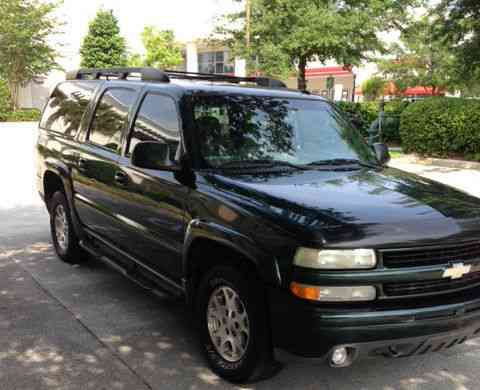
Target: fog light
339	356
334	293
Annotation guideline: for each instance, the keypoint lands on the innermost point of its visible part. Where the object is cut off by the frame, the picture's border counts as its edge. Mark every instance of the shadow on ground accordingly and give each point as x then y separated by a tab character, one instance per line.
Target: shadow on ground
87	327
151	340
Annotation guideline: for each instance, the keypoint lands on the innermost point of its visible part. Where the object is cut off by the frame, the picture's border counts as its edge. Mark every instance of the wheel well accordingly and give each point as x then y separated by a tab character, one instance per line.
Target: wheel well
51	184
204	254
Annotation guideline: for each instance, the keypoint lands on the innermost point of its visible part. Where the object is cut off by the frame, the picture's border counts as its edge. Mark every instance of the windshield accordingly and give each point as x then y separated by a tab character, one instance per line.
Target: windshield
249	129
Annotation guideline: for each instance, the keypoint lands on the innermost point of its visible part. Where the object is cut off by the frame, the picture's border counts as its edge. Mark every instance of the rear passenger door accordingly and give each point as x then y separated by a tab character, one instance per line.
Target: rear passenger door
153	201
96	180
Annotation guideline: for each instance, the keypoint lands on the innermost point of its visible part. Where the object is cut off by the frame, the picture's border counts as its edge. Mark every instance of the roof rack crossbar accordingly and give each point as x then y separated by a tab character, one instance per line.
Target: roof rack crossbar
152	74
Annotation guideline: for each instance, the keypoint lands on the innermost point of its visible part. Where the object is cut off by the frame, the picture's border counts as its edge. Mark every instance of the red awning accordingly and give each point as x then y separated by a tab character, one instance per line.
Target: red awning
390	90
421	91
327	71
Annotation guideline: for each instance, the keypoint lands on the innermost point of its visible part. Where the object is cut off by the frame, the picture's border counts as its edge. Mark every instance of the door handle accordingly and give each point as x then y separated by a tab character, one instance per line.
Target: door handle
121	178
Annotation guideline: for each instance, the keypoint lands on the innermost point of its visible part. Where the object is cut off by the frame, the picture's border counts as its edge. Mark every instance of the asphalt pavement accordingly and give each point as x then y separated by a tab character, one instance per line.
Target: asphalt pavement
87	327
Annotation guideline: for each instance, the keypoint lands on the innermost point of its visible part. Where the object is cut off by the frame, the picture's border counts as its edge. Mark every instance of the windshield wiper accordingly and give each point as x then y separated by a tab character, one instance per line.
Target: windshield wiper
341	161
259	164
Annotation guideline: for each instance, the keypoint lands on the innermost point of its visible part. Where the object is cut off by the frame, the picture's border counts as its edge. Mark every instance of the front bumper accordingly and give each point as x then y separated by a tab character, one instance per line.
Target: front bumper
311	330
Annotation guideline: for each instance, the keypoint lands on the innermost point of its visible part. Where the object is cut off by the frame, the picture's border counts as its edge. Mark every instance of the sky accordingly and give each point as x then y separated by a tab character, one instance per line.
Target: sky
190	19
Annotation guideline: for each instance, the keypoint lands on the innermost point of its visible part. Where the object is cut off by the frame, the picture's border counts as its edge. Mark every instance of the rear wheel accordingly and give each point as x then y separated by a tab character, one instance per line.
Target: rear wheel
64	239
232	319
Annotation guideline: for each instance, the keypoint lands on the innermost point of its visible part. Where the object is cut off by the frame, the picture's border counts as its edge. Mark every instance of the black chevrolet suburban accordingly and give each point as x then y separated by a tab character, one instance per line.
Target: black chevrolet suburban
265	210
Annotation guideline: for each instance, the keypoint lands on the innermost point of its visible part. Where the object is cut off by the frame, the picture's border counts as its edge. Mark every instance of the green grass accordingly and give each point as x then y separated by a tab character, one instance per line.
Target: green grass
395	154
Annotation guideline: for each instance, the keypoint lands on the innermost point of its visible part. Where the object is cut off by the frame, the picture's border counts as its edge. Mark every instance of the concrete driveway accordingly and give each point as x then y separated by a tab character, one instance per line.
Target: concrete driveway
86	327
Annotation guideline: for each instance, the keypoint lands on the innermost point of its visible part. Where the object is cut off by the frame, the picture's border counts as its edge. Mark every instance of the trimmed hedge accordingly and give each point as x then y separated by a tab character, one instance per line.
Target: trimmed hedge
442	127
4	99
25	115
364	114
6	115
391	127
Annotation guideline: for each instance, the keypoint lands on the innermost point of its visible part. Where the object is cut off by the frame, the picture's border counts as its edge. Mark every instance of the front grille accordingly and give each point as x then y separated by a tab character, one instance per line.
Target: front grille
431	256
431	286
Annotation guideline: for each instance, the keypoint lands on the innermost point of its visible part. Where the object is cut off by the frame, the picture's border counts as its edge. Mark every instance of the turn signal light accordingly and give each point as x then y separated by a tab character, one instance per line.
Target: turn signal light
334	294
305	292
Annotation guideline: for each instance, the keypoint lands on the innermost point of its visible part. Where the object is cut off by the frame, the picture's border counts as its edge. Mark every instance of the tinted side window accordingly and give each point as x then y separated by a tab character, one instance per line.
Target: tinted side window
110	117
157	120
64	111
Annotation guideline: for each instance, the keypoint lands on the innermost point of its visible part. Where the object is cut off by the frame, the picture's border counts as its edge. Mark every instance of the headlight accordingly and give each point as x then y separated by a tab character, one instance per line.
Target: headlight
335	259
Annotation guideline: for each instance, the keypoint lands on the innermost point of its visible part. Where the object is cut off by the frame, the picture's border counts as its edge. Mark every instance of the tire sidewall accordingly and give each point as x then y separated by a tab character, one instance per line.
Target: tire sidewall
241	370
59	199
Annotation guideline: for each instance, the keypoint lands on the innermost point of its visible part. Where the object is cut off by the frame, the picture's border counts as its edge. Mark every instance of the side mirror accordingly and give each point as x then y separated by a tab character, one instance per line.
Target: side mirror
153	155
382	153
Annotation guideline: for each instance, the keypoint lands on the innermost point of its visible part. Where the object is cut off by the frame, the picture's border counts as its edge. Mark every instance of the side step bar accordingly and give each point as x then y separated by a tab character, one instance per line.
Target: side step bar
134	275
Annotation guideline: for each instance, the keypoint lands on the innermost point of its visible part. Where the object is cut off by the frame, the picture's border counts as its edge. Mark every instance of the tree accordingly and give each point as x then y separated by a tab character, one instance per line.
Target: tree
162	50
286	34
103	46
373	88
26	50
459	22
421	59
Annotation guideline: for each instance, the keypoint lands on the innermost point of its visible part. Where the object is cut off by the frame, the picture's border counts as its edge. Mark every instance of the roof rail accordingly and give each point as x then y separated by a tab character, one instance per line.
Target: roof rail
260	81
152	74
146	74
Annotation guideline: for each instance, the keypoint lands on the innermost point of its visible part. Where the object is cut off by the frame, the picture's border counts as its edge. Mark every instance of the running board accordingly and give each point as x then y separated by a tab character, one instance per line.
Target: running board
133	275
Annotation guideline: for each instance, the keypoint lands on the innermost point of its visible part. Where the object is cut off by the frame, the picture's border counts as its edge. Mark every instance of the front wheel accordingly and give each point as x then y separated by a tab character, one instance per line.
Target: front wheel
232	319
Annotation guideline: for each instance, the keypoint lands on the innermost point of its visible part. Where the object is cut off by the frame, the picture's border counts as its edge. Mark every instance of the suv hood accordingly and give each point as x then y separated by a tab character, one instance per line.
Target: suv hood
357	208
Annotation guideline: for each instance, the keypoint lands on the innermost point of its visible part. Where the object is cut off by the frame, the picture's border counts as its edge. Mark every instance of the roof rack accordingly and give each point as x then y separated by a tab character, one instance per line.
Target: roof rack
260	81
152	74
146	74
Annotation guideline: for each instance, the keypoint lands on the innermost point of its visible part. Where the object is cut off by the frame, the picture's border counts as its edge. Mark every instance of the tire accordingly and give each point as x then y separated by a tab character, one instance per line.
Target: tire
247	328
66	244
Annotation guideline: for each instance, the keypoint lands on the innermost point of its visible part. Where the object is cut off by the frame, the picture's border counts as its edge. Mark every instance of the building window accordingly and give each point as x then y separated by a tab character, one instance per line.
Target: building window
345	95
215	62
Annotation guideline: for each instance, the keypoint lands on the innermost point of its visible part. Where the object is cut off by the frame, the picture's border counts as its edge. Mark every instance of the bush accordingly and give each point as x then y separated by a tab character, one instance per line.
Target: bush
442	127
4	100
391	126
6	115
364	114
25	115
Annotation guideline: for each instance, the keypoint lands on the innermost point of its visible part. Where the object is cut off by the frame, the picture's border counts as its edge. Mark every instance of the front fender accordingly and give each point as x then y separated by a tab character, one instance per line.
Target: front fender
265	263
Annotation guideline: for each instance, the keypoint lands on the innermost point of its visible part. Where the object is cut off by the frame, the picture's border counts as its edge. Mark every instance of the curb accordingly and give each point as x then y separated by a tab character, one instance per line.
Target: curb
440	162
10	125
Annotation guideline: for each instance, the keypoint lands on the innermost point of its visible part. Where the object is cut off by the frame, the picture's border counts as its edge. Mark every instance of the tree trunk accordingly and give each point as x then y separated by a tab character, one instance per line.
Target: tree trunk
14	91
302	80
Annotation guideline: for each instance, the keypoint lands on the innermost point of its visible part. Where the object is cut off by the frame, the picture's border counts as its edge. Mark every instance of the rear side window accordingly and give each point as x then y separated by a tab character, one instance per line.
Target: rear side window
110	117
157	120
65	108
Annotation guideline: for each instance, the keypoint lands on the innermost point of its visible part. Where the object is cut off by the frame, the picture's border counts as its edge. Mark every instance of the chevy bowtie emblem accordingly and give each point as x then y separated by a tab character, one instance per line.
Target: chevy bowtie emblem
457	271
